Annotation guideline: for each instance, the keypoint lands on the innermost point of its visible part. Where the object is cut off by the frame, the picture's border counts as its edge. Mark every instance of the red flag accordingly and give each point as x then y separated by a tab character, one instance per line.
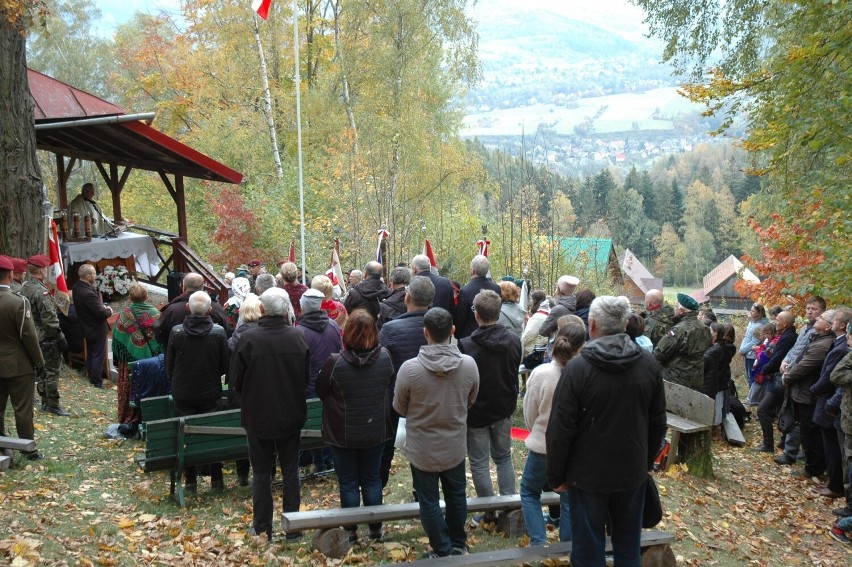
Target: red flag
483	246
292	256
427	250
261	7
383	233
55	273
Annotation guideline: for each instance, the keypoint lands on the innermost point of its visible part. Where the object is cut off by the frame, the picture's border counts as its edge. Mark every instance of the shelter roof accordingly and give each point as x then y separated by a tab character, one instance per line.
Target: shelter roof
638	273
730	266
73	123
596	250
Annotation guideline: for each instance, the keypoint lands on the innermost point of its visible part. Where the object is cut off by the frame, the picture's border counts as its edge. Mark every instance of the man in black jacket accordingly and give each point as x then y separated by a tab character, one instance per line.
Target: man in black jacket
463	315
607	420
196	359
444	296
369	293
497	352
270	369
403	338
393	305
176	310
93	315
768	408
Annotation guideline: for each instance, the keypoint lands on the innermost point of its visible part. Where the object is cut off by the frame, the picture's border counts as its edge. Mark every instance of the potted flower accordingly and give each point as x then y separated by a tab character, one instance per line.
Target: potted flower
114	282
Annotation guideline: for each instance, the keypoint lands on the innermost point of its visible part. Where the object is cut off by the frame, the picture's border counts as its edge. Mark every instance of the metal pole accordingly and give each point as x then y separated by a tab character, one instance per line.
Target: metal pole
299	135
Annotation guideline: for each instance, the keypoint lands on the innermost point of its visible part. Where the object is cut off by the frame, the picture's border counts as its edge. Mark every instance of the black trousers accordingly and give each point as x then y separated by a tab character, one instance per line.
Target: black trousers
96	359
811	437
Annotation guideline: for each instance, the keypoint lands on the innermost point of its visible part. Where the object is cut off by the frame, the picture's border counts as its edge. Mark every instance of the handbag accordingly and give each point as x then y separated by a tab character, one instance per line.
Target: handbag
786	416
652	513
535	358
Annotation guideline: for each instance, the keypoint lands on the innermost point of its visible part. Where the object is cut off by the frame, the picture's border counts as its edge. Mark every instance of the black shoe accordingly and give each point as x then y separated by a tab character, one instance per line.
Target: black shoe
57	410
34	456
253	533
844	512
784	460
762	449
242	479
377	537
99	385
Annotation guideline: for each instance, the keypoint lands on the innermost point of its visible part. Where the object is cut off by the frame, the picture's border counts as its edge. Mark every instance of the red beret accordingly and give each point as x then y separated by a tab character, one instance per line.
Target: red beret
254	263
20	265
39	261
6	263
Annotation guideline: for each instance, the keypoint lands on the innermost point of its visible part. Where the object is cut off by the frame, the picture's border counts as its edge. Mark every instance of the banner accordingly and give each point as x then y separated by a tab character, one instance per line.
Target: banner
54	272
383	233
427	251
261	7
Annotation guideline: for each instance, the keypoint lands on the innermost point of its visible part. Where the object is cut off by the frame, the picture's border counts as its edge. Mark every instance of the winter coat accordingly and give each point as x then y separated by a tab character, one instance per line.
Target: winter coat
841	377
712	361
608	417
537	404
681	351
433	392
463	317
497	352
368	295
512	317
530	337
749	340
785	342
392	306
324	339
271	369
565	305
196	358
356	389
823	389
295	290
658	322
444	294
92	313
403	337
804	372
174	312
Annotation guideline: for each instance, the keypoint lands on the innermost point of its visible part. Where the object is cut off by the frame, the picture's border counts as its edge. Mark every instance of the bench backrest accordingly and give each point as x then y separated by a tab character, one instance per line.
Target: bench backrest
689	404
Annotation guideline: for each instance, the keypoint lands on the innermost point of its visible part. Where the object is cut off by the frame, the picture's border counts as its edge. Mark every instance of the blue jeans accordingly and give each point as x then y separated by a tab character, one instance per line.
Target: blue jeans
445	531
358	475
533	482
590	513
493	440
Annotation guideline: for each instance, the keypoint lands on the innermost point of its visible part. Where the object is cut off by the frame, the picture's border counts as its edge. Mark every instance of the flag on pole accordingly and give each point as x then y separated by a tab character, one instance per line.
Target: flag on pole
55	272
524	298
335	272
383	233
483	246
261	7
427	251
292	256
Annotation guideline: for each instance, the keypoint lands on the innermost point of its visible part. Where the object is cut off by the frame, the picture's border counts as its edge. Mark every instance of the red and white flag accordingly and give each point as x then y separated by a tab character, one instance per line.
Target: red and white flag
55	272
261	7
292	256
427	251
483	247
335	272
383	233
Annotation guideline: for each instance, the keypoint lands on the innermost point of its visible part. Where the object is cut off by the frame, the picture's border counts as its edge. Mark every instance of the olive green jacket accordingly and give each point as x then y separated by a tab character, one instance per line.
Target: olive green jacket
681	351
44	310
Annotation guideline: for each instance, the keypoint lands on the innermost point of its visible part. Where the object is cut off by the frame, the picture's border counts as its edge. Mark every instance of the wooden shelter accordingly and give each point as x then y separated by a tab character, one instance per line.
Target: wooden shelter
637	279
76	125
718	287
593	260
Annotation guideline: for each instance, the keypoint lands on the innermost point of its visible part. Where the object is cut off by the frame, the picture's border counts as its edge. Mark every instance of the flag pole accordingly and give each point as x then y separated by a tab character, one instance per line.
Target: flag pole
299	135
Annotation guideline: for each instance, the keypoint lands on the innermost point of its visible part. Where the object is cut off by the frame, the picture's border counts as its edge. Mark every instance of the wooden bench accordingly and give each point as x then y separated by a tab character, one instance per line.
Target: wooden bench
333	541
174	443
688	412
656	552
13	443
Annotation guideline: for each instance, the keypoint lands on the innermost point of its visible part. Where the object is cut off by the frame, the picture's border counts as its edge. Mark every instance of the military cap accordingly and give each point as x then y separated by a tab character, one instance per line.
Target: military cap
254	263
6	263
39	261
687	302
20	264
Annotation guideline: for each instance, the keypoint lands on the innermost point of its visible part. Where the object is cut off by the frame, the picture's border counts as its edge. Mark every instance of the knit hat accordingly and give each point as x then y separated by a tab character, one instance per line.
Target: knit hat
311	300
567	284
687	302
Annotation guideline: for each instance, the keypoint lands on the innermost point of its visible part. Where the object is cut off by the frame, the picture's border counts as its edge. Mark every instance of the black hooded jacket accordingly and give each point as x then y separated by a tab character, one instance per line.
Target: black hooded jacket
497	352
608	417
196	358
367	295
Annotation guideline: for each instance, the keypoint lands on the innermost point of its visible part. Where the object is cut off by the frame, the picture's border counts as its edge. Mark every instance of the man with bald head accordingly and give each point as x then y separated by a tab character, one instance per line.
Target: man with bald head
658	315
421	266
84	205
177	309
785	324
369	293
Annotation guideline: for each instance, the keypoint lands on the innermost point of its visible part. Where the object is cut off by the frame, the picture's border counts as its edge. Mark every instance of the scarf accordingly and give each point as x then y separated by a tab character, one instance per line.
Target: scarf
133	341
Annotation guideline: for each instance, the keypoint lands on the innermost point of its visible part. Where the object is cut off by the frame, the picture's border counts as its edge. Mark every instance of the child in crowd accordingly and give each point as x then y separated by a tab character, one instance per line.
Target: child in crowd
763	353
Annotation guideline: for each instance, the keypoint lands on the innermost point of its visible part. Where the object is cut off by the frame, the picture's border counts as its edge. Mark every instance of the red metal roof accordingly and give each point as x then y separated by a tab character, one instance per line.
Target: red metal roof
132	144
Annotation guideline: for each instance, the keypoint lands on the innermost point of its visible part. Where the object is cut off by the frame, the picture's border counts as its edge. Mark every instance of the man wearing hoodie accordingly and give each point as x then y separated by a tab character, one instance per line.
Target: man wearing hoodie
174	312
497	352
608	419
369	293
433	392
393	305
196	358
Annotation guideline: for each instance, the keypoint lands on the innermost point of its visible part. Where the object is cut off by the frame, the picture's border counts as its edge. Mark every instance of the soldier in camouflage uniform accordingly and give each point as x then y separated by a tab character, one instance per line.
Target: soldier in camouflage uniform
50	336
659	316
681	351
18	274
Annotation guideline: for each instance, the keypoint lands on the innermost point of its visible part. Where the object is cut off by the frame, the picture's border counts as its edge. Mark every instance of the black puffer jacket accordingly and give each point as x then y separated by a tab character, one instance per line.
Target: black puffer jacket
403	337
196	358
367	295
392	306
497	352
608	417
356	390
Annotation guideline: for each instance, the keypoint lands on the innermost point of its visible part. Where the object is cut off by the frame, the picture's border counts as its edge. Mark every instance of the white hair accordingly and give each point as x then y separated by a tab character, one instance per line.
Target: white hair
276	302
610	314
199	303
480	265
421	263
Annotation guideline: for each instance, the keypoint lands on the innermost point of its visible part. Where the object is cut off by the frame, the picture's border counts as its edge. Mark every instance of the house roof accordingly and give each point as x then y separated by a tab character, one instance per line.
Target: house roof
596	251
638	273
730	266
74	132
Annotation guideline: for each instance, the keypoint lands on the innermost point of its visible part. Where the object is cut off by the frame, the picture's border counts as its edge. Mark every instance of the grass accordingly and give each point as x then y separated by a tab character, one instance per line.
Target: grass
88	503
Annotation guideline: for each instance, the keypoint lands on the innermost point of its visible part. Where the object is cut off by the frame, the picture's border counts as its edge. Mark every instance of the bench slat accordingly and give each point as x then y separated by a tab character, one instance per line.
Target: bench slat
17	444
321	519
523	555
684	425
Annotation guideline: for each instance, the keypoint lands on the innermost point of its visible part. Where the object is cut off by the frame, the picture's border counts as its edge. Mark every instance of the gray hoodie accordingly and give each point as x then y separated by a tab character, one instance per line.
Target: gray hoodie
433	392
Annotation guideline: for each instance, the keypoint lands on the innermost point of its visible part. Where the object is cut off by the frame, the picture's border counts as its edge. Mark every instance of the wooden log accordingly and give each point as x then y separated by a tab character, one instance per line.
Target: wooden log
658	556
512	523
332	542
5	462
25	445
732	431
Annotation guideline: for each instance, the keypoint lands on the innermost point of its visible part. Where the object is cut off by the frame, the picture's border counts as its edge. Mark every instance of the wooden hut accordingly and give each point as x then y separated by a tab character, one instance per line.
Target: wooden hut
719	285
638	280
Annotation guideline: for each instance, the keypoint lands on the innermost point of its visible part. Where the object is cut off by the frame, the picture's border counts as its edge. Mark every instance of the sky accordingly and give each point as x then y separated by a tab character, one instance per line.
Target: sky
117	12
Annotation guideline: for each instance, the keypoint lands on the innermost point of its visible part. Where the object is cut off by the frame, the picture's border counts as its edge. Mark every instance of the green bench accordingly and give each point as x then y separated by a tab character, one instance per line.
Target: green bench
174	443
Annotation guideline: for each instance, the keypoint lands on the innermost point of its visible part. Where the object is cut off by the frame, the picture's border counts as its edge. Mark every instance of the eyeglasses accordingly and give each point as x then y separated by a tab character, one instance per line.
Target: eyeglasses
473	308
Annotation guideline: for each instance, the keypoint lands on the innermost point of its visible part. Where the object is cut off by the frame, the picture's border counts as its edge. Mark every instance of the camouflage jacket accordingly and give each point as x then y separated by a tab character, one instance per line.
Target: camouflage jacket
44	310
658	323
681	351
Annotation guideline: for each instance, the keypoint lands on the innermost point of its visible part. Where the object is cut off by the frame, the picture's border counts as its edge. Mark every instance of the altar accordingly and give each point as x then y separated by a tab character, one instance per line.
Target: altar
134	251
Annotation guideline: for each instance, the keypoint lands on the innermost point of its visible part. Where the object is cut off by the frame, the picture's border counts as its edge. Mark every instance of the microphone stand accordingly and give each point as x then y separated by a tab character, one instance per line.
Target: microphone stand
105	221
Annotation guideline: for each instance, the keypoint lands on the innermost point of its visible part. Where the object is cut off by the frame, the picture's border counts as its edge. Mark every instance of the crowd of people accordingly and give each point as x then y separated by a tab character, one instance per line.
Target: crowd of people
446	357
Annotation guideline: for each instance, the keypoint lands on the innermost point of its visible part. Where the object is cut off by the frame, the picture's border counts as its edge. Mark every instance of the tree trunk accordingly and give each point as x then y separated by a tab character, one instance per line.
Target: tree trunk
21	221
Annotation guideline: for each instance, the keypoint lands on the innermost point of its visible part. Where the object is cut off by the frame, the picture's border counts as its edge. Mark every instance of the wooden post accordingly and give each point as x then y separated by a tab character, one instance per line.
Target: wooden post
180	200
63	172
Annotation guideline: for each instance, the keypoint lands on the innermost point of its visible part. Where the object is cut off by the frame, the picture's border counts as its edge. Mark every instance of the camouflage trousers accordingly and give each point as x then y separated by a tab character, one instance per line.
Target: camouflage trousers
47	378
